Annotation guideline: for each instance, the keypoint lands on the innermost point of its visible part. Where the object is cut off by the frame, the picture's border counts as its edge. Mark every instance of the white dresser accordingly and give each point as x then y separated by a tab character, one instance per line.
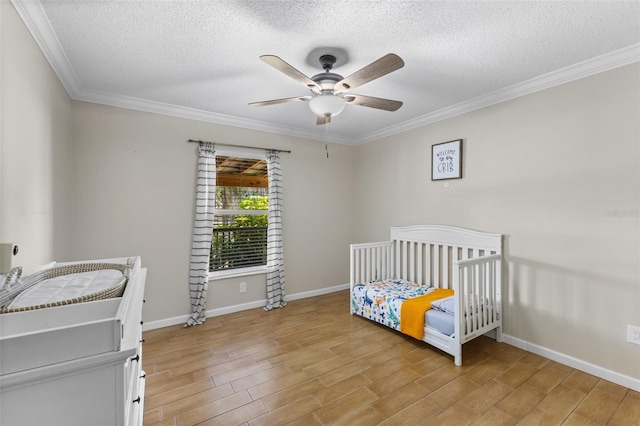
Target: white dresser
77	364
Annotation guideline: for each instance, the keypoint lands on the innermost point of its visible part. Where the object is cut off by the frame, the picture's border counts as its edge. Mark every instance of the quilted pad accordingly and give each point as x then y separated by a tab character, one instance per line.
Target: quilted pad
66	287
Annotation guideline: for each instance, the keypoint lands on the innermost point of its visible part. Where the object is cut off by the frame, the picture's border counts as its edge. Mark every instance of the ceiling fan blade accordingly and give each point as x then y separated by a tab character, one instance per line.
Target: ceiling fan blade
371	102
383	66
325	119
284	67
280	101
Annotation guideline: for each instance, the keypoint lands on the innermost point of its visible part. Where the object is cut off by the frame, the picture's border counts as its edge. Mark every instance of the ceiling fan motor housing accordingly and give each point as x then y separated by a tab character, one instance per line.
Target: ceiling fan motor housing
327	80
327	62
326	103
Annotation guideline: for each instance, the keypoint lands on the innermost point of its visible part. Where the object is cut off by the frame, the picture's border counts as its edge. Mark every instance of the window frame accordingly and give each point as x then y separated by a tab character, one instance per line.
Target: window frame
250	270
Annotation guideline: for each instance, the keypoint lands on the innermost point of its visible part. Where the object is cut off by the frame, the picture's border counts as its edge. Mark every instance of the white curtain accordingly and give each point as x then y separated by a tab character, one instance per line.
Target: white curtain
202	231
275	258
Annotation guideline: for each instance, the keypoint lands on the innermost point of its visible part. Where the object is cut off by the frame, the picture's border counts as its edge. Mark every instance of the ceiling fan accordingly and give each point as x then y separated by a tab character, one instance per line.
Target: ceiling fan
330	90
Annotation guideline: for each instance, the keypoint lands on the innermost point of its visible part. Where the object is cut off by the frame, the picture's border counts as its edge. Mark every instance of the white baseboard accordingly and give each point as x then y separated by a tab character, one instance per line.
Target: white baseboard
319	292
578	364
151	325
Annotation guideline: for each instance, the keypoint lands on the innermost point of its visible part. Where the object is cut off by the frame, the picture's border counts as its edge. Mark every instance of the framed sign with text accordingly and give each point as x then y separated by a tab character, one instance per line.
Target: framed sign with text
446	160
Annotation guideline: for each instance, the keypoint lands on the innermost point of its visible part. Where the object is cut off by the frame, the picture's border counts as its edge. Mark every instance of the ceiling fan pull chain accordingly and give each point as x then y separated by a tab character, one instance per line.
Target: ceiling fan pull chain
326	139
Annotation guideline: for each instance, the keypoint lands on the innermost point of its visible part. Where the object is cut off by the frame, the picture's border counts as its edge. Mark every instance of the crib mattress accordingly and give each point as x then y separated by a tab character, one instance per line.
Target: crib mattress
67	287
381	302
440	321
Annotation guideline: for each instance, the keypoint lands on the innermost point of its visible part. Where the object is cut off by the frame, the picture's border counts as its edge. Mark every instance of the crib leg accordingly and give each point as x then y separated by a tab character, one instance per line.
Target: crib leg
458	359
499	334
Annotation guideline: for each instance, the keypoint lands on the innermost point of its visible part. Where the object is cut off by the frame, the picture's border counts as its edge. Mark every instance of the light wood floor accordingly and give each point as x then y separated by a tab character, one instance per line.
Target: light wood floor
311	363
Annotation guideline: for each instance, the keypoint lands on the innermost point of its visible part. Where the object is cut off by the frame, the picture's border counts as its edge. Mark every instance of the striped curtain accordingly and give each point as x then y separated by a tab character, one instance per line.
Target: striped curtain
275	258
202	231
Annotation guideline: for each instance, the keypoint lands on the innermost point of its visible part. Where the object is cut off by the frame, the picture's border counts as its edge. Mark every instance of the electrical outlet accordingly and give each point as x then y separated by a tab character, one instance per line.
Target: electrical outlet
633	334
243	287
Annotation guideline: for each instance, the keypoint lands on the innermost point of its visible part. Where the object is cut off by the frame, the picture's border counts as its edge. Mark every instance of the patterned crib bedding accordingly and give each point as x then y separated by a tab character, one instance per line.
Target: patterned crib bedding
381	301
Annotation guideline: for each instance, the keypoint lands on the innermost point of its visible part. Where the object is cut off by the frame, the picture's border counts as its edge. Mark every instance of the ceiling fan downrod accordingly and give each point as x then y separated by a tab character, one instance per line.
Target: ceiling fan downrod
327	62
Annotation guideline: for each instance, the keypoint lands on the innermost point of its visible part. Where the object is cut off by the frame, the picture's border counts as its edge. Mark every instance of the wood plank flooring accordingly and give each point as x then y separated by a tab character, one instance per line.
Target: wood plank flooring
311	363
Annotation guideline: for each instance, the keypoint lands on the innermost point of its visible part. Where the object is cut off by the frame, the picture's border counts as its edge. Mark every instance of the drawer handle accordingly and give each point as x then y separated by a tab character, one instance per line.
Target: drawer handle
136	358
141	340
141	322
136	400
144	376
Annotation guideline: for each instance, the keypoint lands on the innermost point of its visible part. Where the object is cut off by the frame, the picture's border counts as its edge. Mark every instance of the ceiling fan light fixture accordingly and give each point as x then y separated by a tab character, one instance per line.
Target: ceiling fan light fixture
327	105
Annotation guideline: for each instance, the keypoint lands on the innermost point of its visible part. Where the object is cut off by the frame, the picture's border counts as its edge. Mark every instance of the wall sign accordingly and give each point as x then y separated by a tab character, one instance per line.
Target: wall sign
446	160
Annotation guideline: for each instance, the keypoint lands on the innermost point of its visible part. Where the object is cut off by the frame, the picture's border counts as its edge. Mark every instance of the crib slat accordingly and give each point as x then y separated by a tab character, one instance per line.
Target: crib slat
352	264
445	267
436	266
474	297
357	276
468	299
368	265
407	252
420	278
474	292
492	284
398	255
481	295
384	258
363	265
428	264
405	272
412	261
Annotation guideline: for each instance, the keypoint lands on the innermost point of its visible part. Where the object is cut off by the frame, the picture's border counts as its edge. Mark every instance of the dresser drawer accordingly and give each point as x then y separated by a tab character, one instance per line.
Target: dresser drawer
132	377
137	405
86	365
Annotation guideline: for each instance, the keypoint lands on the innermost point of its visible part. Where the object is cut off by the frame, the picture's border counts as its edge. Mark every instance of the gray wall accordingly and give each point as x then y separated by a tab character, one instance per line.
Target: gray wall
548	170
36	150
134	195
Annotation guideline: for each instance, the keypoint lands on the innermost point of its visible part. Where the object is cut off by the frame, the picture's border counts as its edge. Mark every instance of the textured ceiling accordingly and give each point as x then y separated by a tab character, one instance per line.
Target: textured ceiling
200	59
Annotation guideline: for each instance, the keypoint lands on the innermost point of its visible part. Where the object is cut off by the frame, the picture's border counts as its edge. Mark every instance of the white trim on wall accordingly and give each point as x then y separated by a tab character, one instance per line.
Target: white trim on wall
578	364
36	21
609	61
152	325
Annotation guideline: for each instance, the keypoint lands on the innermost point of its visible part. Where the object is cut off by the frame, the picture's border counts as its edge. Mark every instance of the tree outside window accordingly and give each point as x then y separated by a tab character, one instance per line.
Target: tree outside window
240	223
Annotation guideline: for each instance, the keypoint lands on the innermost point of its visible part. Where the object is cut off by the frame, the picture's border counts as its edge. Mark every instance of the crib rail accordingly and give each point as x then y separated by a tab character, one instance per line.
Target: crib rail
478	296
371	261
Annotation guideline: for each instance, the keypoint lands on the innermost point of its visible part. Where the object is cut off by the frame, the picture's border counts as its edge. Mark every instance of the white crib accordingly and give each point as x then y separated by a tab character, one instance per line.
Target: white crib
467	261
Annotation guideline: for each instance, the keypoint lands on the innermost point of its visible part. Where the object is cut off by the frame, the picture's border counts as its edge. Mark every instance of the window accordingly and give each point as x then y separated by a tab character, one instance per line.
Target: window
239	239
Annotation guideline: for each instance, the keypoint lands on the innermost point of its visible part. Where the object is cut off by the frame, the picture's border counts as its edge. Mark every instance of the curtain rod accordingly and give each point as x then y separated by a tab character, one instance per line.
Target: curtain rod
241	146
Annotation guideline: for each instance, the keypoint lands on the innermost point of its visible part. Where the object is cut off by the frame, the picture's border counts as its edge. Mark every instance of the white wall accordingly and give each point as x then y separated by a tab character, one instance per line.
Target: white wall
547	170
134	195
36	157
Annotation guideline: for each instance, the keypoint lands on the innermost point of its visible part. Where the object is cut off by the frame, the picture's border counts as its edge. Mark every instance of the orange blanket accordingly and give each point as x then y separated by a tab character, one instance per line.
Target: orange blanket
412	311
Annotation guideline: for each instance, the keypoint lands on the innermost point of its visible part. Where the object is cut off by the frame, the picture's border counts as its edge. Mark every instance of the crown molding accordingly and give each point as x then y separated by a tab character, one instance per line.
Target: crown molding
606	62
37	23
200	115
